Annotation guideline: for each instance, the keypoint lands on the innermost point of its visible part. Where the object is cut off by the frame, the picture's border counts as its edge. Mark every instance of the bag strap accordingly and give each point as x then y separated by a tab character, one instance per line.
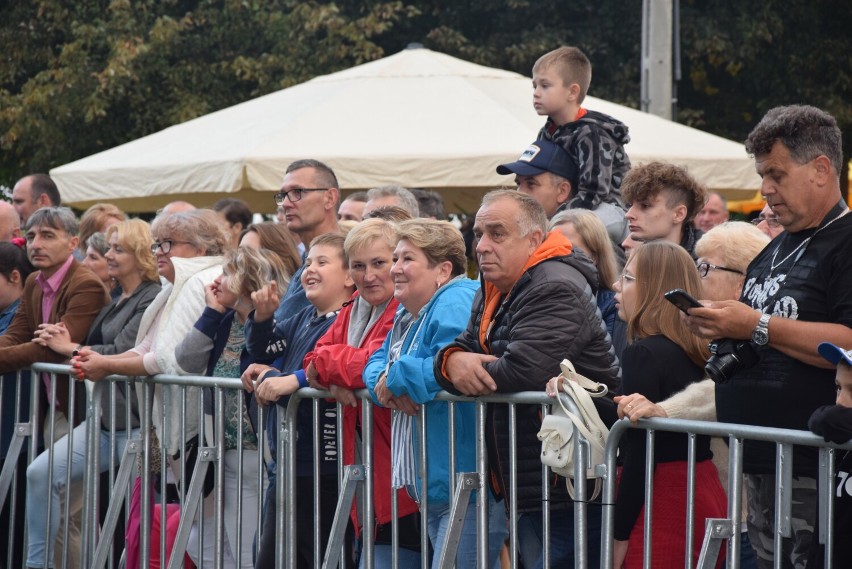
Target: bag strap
592	388
586	407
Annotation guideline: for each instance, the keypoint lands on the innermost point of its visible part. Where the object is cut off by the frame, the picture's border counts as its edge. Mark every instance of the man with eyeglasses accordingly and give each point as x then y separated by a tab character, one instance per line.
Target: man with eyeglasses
308	201
768	222
797	293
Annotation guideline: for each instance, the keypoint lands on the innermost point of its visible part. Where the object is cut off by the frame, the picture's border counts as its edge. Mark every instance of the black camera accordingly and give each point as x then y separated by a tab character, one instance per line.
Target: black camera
728	357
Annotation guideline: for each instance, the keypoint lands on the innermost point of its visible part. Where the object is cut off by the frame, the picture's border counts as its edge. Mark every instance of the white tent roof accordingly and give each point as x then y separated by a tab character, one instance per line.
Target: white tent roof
418	118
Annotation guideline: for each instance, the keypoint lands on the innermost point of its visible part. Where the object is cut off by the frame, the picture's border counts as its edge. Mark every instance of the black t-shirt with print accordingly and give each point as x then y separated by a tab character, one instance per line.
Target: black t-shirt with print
812	284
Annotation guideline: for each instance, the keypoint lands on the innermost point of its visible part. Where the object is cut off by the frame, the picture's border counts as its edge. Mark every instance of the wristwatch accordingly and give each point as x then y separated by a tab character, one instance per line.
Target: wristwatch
760	334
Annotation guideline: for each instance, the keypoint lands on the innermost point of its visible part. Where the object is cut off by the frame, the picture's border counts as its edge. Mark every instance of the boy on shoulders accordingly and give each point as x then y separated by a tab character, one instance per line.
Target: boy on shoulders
594	141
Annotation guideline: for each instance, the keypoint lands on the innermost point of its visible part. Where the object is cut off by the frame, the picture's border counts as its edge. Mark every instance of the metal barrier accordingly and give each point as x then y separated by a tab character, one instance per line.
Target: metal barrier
97	534
725	529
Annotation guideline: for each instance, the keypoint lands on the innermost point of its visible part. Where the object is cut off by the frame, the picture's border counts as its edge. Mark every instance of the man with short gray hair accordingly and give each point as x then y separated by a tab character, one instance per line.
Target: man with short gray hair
391	195
536	307
61	290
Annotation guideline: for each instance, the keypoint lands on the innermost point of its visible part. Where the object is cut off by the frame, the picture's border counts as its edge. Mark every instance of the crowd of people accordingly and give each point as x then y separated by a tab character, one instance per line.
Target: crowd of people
376	291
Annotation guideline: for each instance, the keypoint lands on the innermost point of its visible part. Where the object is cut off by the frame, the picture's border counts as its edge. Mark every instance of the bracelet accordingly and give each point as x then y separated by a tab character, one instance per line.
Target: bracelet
76	351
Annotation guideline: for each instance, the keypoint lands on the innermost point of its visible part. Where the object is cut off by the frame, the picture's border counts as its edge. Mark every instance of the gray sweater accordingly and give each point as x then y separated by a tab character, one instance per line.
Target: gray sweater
119	324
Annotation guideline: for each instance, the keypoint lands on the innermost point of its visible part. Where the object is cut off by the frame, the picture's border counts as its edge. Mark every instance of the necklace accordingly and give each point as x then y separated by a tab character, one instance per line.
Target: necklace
773	265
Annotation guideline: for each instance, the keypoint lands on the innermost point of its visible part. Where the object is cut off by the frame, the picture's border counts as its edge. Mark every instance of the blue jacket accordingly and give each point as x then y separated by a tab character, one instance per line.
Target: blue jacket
440	321
292	339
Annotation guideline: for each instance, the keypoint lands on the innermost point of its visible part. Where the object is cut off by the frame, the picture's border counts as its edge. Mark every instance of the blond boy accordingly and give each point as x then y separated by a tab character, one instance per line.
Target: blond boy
594	141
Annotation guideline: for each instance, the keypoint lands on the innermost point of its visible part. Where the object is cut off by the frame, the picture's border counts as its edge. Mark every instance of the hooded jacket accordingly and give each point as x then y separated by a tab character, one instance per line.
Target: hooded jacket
549	315
595	142
338	363
439	322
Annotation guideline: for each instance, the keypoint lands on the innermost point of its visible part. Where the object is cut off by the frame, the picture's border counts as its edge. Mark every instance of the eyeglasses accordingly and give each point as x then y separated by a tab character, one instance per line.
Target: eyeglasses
165	245
294	195
626	277
704	268
771	220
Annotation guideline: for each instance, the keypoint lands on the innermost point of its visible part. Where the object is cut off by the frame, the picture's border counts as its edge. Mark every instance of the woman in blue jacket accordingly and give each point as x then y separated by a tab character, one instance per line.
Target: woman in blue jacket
436	297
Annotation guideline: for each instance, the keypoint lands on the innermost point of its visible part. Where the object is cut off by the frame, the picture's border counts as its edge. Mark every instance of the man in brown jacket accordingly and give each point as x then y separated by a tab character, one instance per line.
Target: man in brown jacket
61	290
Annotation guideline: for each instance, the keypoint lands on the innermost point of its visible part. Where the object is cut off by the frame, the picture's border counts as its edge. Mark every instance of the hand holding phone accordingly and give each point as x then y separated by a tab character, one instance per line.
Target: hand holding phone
682	299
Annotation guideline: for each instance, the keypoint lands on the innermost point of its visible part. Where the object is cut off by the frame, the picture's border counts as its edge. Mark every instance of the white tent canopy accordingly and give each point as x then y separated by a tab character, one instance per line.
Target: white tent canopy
418	119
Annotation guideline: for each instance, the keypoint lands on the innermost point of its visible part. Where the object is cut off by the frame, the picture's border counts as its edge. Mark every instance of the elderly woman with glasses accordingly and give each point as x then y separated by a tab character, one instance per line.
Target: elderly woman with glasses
188	247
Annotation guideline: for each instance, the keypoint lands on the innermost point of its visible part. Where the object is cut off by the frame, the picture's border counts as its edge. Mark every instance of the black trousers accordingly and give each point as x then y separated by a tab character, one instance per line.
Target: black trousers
304	519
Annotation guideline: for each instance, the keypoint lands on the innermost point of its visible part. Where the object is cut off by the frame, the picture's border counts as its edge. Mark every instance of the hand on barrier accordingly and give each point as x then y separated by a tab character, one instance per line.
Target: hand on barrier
56	337
253	375
388	399
273	388
344	396
404	404
266	301
636	406
467	372
90	365
313	377
552	387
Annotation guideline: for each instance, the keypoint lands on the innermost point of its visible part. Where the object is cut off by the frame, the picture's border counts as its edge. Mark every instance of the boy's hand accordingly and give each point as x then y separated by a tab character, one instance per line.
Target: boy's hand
273	388
252	373
266	301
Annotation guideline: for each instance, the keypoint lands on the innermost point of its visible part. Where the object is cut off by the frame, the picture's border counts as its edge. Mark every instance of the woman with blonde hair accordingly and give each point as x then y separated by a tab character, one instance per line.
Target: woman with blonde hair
587	232
215	346
663	358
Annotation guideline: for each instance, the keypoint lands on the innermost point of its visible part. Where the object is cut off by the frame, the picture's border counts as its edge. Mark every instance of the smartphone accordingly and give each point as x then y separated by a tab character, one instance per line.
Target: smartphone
682	299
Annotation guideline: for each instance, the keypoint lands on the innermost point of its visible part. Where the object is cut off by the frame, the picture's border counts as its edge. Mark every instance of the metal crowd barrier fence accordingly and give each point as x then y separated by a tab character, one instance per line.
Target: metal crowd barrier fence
725	529
98	528
98	548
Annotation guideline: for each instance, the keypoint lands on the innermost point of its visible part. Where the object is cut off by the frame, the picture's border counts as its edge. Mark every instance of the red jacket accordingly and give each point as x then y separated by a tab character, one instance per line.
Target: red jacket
338	363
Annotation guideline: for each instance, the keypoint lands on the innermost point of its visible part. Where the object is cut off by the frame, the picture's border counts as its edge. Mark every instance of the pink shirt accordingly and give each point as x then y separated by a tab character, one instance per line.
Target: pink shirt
50	288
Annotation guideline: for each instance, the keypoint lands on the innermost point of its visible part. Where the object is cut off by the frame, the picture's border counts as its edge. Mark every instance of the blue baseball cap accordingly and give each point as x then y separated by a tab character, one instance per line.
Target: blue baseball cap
539	157
834	354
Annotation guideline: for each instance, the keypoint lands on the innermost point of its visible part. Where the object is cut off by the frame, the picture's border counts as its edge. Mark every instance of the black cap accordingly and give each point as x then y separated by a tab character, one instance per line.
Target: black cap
539	157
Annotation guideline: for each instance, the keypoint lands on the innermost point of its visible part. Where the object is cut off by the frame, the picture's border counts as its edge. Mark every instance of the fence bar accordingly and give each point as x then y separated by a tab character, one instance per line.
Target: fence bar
482	497
96	549
369	517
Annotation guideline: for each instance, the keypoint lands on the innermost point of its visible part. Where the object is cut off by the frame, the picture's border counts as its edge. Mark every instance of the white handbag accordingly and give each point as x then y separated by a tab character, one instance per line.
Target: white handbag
557	429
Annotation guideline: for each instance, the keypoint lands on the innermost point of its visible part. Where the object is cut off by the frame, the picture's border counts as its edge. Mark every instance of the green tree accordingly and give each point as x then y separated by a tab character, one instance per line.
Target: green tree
80	77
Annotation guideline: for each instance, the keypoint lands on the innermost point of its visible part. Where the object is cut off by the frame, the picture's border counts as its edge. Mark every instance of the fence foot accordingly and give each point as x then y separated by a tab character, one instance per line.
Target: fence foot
716	531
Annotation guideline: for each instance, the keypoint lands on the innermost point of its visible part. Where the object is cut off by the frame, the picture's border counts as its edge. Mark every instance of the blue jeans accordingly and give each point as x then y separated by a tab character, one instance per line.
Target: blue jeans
383	556
42	525
531	542
439	520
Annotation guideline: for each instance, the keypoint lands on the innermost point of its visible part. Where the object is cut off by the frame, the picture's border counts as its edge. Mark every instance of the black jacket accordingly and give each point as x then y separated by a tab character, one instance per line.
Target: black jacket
549	315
